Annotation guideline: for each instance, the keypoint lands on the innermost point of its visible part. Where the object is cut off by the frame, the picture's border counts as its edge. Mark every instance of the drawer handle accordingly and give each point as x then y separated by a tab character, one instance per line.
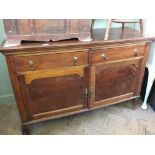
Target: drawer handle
31	65
75	61
104	56
135	52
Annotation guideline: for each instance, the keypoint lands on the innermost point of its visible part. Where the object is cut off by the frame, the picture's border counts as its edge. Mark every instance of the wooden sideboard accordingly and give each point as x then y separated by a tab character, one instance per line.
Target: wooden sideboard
56	79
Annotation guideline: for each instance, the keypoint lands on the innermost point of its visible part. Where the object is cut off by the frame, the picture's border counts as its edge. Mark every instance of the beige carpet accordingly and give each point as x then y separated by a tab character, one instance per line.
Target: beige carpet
113	120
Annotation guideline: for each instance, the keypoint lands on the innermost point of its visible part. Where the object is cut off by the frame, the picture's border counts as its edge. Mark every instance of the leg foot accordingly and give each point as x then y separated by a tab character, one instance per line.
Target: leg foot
135	103
26	130
149	86
144	106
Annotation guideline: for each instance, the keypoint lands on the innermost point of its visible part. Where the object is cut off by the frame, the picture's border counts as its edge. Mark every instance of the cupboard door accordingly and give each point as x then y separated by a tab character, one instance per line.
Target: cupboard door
114	82
53	92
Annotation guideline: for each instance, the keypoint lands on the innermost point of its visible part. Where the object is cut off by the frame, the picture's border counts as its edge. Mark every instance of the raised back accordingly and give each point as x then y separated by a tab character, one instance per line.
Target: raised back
46	29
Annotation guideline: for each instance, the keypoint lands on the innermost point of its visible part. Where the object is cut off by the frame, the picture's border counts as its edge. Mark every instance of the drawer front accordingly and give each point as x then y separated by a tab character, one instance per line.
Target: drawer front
50	61
109	55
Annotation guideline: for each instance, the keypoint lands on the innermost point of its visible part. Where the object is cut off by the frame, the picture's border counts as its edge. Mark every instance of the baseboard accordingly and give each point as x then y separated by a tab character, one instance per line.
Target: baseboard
9	98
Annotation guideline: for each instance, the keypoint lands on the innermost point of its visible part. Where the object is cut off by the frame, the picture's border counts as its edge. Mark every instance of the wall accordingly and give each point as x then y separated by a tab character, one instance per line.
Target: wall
6	93
150	30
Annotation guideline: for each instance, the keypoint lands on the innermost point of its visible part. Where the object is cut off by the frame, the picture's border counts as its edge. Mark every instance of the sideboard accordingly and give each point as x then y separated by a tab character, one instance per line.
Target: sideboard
57	79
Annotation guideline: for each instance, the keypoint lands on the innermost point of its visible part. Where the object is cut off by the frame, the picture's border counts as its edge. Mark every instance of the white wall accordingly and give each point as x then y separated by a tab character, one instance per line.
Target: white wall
149	29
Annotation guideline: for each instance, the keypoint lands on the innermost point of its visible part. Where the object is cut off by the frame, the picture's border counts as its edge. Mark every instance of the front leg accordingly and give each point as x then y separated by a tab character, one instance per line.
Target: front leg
26	130
135	103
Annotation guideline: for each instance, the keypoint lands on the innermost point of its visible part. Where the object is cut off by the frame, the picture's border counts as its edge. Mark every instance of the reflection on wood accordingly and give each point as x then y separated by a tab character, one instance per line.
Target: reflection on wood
30	76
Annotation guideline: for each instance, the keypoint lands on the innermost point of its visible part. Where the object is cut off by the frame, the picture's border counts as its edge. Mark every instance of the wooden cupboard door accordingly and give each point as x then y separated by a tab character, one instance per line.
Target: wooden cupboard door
114	82
53	92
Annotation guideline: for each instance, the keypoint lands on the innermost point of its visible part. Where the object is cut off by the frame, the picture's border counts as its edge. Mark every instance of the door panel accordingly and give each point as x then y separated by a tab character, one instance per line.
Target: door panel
62	92
114	82
54	95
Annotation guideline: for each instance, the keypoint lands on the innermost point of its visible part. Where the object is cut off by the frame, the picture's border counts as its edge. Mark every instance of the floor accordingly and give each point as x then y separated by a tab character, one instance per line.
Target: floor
118	119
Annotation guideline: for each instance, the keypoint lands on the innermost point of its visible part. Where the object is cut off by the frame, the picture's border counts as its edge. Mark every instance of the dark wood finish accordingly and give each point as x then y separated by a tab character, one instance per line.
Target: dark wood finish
116	54
16	89
119	79
69	77
46	29
55	94
50	61
113	80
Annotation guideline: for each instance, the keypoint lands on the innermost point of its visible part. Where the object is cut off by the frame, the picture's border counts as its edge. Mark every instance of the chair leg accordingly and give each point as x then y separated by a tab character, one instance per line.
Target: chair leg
142	26
92	24
123	26
148	88
107	29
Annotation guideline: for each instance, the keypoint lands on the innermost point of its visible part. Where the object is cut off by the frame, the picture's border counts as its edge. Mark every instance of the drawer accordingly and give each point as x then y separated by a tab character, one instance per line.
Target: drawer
109	55
50	61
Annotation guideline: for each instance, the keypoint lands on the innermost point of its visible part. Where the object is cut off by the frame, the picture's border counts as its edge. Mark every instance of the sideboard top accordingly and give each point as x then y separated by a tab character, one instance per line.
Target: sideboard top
117	36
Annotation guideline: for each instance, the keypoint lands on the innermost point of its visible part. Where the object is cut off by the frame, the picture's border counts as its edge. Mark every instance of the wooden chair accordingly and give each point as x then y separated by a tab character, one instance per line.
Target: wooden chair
122	21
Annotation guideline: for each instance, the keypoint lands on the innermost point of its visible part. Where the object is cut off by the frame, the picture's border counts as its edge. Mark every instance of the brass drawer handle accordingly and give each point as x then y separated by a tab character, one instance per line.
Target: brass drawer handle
105	57
75	61
31	65
135	51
